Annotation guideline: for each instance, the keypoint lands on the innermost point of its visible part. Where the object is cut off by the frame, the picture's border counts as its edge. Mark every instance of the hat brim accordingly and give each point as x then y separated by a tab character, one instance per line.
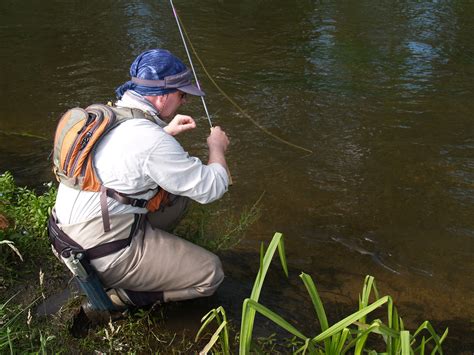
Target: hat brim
191	90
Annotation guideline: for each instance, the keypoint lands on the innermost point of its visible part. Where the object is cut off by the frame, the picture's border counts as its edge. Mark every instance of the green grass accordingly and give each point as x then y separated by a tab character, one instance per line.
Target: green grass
141	332
18	330
215	230
24	250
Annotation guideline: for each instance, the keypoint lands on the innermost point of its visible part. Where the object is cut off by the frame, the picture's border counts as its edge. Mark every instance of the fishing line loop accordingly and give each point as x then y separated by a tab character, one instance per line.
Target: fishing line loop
182	30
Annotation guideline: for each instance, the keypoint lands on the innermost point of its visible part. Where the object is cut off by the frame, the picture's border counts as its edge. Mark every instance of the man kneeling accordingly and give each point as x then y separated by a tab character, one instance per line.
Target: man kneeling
143	182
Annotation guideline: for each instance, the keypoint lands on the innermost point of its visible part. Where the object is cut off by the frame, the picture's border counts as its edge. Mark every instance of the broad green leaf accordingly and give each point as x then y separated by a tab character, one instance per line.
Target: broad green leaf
438	347
225	337
421	348
213	340
436	338
387	331
246	328
317	304
281	253
210	316
342	341
388	340
275	318
214	314
339	326
405	341
361	342
334	342
375	327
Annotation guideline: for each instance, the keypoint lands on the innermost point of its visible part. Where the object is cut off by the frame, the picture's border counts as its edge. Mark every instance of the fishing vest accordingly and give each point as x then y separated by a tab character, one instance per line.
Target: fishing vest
77	136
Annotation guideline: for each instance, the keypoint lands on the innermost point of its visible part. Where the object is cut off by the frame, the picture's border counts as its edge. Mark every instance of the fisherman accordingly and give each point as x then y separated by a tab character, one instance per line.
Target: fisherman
141	158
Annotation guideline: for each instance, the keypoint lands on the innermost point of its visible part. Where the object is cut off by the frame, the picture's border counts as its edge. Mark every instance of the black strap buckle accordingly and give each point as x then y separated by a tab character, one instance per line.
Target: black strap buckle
138	203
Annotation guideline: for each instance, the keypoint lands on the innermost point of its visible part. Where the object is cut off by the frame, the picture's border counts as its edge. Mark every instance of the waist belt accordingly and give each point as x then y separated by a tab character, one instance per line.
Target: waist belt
64	245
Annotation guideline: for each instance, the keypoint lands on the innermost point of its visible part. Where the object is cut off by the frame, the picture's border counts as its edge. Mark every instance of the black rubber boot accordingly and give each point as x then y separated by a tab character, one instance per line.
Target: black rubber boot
87	318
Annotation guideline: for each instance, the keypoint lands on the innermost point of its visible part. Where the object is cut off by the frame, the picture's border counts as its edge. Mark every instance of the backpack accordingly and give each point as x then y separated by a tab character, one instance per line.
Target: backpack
77	136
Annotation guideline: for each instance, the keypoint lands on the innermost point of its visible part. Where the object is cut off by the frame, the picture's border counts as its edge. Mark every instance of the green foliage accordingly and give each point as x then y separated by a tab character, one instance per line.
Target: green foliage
17	332
217	230
349	335
220	316
27	210
140	332
27	214
7	326
248	312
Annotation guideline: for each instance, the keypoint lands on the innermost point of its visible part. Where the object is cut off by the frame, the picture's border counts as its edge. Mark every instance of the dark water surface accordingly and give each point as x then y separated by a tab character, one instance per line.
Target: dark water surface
380	91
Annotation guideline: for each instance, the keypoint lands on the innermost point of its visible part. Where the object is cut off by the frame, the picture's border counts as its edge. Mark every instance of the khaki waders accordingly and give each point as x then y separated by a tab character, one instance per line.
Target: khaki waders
156	266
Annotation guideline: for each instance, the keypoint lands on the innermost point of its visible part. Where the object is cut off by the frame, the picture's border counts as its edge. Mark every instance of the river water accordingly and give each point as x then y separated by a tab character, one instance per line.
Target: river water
380	92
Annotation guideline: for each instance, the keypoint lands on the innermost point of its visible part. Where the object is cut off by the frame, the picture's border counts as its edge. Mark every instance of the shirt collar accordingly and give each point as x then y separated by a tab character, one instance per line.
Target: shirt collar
132	99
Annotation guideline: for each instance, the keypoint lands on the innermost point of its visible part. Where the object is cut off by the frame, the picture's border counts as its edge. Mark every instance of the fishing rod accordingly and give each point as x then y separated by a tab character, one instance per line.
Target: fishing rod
190	62
195	75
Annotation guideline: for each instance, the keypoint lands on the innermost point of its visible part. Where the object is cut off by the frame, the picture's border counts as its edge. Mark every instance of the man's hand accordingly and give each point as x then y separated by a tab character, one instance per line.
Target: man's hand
218	140
180	123
217	143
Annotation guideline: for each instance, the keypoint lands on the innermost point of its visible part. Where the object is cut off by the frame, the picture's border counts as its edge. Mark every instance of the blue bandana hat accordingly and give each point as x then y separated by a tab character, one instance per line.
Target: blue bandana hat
154	64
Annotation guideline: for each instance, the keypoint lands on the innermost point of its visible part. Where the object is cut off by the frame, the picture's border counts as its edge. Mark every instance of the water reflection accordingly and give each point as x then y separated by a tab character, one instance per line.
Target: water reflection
419	68
145	24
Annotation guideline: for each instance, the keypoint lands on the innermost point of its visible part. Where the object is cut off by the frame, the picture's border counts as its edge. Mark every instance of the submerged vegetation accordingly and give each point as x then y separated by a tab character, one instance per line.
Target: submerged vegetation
24	247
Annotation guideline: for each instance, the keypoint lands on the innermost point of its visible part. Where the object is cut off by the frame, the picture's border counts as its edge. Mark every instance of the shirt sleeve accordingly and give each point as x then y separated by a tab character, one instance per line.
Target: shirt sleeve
175	171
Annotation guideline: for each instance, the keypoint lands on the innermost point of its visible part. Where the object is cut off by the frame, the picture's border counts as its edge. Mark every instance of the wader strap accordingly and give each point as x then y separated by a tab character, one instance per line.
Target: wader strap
60	240
104	208
121	198
134	202
64	245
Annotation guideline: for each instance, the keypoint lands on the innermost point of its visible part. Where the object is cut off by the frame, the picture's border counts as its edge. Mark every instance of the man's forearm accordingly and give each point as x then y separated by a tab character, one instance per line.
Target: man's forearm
216	155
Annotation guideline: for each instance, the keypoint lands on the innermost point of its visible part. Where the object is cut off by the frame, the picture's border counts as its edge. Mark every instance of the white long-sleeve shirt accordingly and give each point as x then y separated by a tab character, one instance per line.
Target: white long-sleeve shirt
136	156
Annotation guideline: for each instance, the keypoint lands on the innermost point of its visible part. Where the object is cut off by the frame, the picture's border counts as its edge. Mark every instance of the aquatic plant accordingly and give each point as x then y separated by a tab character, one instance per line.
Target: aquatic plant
348	335
220	316
215	230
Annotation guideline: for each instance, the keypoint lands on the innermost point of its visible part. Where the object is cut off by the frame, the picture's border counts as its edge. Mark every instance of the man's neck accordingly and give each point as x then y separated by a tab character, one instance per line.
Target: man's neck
131	99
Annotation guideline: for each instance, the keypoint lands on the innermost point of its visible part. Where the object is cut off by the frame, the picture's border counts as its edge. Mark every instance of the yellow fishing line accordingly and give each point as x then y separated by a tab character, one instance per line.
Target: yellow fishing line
23	134
235	103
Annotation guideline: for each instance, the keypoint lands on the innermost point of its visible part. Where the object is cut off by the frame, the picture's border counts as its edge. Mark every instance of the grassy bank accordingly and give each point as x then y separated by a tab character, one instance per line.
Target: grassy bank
29	274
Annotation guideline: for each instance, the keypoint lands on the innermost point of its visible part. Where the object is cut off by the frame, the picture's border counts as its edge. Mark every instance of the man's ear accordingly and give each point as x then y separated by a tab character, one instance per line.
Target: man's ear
158	100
